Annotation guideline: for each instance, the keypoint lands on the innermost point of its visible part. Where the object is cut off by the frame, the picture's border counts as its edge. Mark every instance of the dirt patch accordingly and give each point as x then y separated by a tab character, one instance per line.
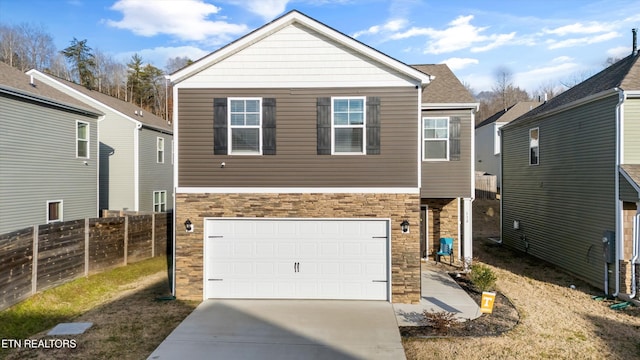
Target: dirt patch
503	318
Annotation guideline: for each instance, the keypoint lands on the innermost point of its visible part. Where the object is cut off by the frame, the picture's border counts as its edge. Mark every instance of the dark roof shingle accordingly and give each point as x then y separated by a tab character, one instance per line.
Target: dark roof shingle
445	88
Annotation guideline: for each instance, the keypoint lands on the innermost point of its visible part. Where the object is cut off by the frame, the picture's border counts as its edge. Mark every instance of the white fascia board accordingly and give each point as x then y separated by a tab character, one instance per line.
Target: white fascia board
290	18
295	190
82	96
443	106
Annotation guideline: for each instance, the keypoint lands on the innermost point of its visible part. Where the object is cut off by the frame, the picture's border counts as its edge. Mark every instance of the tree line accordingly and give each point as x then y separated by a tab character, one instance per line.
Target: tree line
26	46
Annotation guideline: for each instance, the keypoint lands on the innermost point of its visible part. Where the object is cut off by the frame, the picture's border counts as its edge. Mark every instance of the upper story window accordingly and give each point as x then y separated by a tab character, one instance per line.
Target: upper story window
160	150
436	138
82	139
348	121
534	146
245	126
54	211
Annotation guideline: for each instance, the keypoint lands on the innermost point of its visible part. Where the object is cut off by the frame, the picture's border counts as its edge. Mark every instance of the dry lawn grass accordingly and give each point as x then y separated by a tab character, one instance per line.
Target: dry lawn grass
129	325
556	322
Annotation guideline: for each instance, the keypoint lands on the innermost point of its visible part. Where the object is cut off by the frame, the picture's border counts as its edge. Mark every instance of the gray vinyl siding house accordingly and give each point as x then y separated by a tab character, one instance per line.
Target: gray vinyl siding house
40	167
560	207
130	172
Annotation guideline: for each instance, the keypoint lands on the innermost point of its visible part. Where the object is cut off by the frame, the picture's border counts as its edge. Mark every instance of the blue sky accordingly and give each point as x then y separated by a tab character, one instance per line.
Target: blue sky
541	42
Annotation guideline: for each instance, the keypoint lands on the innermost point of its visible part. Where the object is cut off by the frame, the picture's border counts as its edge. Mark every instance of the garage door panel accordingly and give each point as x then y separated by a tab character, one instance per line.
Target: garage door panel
297	259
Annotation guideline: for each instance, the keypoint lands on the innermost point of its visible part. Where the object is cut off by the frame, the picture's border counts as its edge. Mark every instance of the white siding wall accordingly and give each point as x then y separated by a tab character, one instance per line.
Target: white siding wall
486	159
295	57
631	132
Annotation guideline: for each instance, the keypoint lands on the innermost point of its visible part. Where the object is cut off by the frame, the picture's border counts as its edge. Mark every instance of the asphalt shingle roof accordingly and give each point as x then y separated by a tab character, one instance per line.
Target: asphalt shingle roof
121	106
624	74
14	79
511	113
445	88
633	170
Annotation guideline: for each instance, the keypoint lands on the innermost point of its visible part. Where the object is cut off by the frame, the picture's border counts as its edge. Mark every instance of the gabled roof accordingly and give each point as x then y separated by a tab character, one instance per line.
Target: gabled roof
624	75
287	19
444	88
127	109
16	82
511	113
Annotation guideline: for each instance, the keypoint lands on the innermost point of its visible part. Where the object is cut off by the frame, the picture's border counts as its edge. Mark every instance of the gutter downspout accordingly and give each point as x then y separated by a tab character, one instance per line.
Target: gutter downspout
175	186
136	166
618	218
634	258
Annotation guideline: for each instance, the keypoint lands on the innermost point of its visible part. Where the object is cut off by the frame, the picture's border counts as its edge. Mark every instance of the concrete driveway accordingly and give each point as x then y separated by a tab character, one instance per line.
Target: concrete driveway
285	329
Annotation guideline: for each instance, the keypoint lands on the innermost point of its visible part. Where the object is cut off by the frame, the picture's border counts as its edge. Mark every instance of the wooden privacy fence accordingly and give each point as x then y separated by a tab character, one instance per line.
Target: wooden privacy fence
486	186
43	256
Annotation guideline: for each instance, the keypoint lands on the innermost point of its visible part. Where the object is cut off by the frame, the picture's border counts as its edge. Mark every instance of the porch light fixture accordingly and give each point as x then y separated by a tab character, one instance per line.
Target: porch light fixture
405	226
188	225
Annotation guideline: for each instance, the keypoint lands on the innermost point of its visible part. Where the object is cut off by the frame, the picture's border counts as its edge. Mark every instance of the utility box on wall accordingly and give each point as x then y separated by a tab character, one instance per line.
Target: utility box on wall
609	246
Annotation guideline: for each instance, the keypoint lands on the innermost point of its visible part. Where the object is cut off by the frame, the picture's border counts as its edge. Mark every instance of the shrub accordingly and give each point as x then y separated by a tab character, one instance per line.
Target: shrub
482	277
441	321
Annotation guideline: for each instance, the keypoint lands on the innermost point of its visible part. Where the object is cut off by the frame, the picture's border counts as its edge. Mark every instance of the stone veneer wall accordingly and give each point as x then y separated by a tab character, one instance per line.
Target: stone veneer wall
628	213
443	218
405	248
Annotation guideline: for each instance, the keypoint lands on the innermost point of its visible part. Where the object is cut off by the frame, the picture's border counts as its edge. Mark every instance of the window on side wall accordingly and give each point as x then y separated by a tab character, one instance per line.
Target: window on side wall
435	135
82	139
348	122
54	211
160	150
159	201
534	146
245	126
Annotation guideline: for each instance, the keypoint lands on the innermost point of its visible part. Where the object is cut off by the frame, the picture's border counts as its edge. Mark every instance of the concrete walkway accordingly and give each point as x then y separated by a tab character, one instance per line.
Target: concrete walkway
285	329
439	293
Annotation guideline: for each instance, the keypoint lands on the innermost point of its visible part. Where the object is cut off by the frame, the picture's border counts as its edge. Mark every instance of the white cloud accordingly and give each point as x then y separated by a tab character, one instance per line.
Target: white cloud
185	19
579	28
619	52
587	40
267	9
158	56
460	34
459	63
389	26
550	73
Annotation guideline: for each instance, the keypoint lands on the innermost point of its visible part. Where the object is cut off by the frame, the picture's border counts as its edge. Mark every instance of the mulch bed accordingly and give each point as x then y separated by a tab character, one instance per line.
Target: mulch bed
503	318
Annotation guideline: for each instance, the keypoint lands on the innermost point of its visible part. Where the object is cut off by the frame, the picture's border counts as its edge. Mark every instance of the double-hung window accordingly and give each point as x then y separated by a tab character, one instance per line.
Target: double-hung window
159	201
160	150
54	211
245	126
435	135
348	121
82	139
534	146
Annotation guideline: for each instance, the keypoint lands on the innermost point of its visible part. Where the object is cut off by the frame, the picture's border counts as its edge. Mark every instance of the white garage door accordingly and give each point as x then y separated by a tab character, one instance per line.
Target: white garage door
296	259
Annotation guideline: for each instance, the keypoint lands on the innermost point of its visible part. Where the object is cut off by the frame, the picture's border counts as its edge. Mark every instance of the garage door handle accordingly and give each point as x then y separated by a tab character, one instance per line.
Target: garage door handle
378	280
214	279
378	237
296	267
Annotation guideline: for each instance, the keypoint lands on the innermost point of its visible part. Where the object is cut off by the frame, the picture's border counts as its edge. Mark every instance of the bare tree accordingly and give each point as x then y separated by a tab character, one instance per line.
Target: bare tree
10	40
37	48
177	63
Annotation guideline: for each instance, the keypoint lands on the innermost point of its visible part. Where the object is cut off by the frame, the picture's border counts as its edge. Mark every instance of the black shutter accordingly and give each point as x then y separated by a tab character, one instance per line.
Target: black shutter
373	126
324	125
220	126
268	126
454	139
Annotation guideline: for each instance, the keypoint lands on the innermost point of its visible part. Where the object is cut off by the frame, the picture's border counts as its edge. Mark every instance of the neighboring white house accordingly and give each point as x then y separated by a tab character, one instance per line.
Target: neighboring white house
48	154
488	136
136	163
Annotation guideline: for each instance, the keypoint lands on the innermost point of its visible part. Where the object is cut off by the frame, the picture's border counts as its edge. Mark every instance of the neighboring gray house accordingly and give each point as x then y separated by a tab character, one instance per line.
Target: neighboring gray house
136	162
488	136
48	154
571	179
447	184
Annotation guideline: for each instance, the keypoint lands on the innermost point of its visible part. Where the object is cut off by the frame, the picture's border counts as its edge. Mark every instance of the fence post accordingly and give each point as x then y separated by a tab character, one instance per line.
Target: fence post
86	246
153	234
126	238
34	266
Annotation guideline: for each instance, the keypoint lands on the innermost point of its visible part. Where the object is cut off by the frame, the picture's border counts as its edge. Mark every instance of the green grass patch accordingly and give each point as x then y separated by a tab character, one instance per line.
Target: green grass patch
61	304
